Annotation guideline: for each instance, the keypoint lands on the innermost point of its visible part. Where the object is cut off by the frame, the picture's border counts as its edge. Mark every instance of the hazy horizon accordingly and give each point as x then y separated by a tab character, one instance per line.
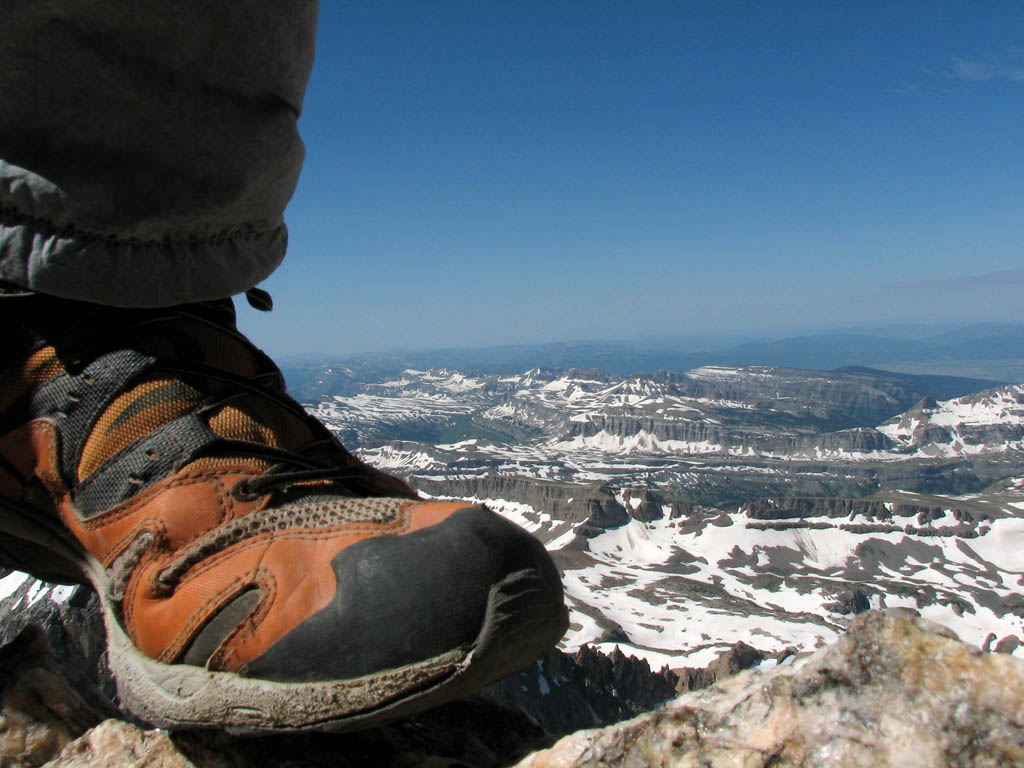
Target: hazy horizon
711	341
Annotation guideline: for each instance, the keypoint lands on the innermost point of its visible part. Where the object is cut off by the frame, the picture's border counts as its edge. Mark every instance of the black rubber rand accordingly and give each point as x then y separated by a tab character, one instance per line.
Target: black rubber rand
403	599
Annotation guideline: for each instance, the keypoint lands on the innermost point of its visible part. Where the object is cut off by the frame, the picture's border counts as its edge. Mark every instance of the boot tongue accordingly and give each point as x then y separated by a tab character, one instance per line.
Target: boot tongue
258	420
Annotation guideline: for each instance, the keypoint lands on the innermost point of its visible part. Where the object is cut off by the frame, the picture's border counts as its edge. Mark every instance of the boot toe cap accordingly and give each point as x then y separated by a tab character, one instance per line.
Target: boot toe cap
403	599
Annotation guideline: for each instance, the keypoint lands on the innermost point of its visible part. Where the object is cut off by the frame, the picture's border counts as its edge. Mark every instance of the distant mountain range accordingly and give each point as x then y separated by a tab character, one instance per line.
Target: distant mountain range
989	351
758	492
712	435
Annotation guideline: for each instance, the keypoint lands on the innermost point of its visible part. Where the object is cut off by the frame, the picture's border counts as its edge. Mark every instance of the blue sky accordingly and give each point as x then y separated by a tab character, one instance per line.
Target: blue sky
512	172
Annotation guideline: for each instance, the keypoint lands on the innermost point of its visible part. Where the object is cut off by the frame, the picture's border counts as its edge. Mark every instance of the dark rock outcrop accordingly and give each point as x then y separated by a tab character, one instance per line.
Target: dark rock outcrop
865	510
68	622
643	504
1008	644
566	692
850	601
741	656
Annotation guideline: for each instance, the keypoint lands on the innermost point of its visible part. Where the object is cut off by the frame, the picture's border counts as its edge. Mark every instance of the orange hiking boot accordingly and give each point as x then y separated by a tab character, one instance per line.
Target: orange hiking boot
254	575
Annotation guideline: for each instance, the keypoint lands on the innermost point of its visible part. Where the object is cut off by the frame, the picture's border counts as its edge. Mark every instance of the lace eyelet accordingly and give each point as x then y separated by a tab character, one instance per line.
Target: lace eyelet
242	491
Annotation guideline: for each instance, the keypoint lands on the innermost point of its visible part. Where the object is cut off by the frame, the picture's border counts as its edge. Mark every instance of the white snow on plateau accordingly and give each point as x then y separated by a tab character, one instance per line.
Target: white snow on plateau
392	459
683	596
639	442
10	583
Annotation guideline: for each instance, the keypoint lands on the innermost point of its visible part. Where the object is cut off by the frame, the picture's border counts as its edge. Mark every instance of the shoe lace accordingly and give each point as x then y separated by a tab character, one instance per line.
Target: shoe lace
283	475
87	331
322	461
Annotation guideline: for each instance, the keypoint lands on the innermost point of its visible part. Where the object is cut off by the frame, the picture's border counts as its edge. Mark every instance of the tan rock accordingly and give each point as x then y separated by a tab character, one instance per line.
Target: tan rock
116	743
895	691
39	711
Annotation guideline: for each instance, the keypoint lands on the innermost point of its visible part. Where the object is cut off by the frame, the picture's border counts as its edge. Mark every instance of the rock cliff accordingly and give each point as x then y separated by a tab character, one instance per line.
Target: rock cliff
566	692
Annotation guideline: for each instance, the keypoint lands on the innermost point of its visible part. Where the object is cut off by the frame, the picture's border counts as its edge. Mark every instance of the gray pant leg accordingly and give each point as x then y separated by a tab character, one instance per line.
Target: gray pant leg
148	147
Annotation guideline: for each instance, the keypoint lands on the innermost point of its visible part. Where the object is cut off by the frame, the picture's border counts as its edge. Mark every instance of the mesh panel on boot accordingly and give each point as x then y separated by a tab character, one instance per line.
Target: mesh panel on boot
217	463
318	512
259	420
33	371
149	404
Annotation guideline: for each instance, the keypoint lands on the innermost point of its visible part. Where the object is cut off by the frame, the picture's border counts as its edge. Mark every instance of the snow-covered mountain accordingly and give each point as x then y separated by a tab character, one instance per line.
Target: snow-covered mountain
693	510
676	585
711	410
714	433
985	422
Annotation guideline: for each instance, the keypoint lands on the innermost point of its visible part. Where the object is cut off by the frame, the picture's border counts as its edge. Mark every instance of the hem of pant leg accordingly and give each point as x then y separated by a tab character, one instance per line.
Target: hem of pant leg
74	263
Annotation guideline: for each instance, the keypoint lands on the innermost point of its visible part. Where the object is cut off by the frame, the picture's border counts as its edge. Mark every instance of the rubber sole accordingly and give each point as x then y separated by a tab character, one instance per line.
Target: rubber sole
525	617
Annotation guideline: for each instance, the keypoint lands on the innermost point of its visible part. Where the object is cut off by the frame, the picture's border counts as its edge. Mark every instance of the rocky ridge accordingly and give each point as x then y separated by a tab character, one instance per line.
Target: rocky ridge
710	410
895	690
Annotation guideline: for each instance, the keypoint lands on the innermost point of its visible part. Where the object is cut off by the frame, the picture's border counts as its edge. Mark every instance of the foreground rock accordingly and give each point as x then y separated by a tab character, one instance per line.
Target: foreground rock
895	691
465	734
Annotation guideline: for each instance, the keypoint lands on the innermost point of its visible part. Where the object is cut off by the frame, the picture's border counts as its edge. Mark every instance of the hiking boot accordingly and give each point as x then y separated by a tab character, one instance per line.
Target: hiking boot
253	574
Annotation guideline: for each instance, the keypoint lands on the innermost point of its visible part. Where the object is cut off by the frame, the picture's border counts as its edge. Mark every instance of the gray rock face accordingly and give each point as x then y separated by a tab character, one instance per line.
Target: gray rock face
895	691
66	620
855	440
866	510
40	710
741	656
684	431
646	505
